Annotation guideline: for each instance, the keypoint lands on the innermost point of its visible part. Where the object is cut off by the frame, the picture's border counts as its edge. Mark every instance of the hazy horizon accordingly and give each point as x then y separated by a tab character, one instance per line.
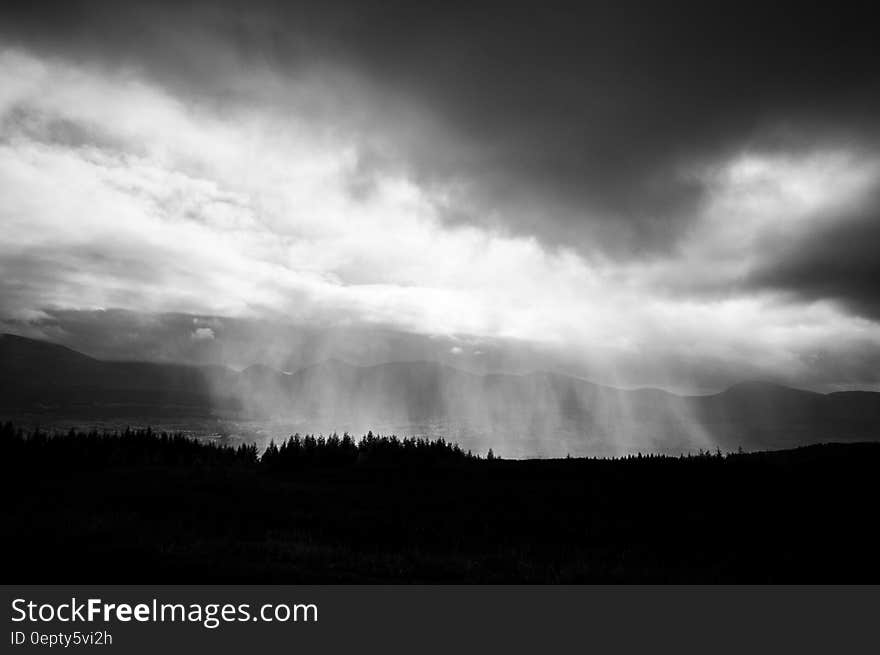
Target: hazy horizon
536	414
455	364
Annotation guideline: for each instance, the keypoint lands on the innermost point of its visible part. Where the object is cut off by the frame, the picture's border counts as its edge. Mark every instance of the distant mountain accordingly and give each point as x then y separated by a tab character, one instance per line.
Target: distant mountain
42	376
534	414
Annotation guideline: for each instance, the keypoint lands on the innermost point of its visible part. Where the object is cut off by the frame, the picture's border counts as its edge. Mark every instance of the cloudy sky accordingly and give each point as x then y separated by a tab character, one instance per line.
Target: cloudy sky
684	196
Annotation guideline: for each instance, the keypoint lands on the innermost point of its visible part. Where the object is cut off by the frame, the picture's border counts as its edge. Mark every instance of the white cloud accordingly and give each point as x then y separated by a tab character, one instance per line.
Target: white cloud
202	334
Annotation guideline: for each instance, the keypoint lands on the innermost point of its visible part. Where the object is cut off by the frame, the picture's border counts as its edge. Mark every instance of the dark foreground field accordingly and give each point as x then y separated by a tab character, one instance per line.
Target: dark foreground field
136	508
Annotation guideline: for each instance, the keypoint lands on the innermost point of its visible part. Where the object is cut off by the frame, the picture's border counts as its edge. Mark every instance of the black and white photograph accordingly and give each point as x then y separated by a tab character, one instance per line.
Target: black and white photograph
433	293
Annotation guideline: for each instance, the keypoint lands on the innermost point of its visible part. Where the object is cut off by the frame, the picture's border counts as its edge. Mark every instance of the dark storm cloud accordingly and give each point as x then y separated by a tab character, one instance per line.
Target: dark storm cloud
839	261
572	122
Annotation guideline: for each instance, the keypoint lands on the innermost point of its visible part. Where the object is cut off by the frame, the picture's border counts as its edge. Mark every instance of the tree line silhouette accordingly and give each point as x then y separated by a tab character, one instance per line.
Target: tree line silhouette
298	452
146	447
151	506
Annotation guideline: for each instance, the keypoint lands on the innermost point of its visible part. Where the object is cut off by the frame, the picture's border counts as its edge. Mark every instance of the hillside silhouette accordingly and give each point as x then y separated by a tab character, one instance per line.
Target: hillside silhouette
139	506
535	414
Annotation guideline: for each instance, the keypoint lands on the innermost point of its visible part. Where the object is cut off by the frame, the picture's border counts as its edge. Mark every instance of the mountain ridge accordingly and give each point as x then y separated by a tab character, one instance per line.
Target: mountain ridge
536	413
